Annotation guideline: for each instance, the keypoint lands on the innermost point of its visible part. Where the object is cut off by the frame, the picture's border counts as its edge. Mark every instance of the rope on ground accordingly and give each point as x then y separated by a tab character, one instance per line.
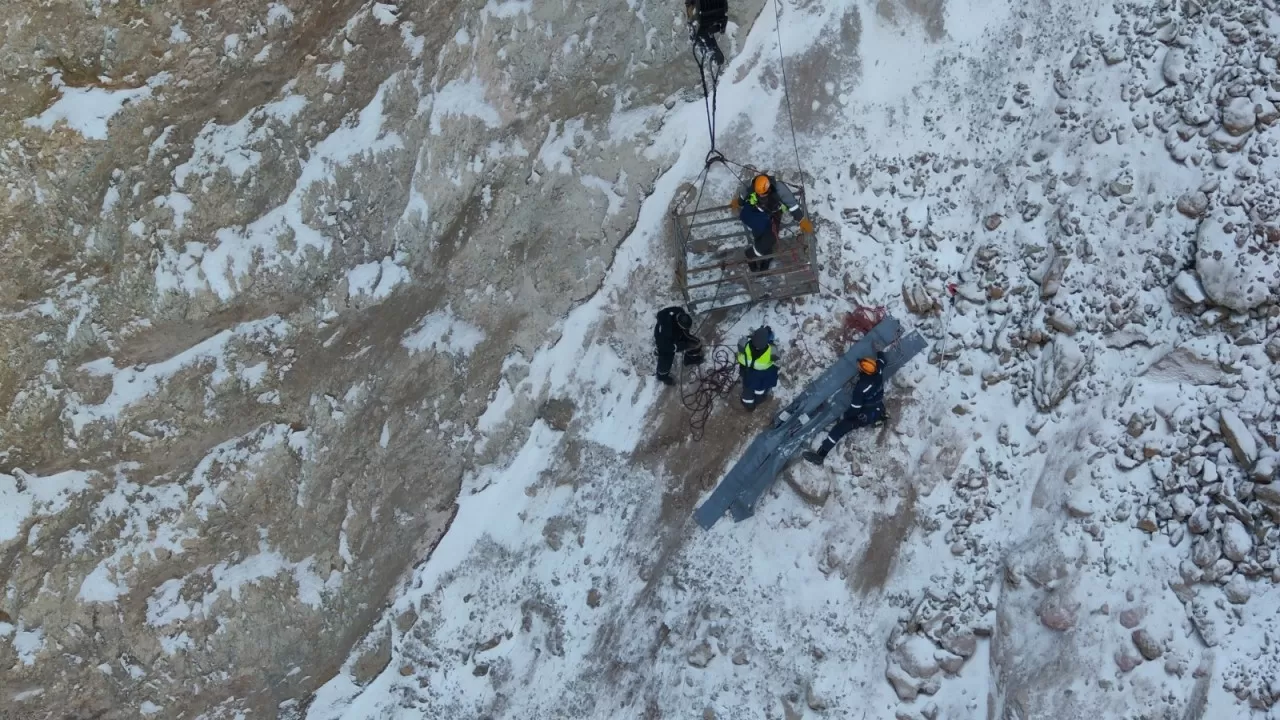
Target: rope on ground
713	379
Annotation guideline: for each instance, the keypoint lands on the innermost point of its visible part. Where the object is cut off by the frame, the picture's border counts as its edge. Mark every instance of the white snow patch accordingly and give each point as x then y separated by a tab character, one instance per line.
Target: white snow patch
463	98
98	586
88	110
442	331
23	495
28	644
385	14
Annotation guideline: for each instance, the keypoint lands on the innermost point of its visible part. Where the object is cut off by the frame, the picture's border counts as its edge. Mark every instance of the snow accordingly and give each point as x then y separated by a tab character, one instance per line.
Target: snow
463	98
23	495
149	708
133	385
507	9
376	279
442	331
97	586
385	14
219	267
88	110
28	644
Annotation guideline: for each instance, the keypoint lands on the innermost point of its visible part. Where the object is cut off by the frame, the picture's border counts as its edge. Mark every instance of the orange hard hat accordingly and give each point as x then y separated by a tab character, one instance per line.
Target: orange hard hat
761	184
868	365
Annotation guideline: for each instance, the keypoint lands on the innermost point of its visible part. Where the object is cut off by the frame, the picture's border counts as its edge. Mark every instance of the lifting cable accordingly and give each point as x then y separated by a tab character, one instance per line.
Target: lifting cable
786	92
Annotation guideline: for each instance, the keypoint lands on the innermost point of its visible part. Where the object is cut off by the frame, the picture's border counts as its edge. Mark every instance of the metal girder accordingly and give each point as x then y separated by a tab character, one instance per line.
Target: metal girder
814	409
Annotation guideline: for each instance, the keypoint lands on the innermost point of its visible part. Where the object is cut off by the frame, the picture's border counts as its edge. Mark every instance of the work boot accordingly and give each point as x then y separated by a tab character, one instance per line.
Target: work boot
813	456
666	380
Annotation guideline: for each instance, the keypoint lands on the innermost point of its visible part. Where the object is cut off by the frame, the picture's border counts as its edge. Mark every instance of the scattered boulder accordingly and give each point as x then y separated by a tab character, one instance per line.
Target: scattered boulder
949	662
917	298
1237	435
557	413
1238	117
1237	590
1060	322
1056	614
962	644
1237	543
917	658
1127	661
1194	204
1050	278
593	598
740	657
907	687
1147	644
1205	550
374	657
1200	523
1233	277
1130	618
701	656
1059	367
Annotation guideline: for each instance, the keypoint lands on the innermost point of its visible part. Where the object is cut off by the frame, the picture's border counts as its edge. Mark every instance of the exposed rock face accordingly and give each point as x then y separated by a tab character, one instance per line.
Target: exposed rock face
278	282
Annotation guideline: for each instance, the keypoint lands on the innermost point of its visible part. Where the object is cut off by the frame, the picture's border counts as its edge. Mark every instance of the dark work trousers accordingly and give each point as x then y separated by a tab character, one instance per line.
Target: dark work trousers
852	419
692	356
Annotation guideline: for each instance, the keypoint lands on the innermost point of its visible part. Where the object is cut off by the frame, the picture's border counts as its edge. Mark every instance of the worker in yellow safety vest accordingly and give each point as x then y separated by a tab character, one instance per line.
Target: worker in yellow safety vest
757	367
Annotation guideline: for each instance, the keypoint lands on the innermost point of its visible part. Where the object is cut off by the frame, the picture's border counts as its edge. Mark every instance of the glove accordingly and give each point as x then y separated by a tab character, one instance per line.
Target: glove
806	225
734	204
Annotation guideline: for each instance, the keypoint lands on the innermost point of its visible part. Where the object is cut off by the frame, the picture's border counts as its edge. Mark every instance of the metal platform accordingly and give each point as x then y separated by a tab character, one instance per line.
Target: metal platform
713	273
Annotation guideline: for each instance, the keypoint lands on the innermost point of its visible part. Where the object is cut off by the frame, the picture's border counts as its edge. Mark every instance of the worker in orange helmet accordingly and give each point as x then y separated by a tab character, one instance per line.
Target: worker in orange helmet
760	204
866	406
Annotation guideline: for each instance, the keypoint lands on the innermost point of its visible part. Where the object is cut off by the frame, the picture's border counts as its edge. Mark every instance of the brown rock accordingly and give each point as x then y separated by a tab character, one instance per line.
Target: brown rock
992	222
406	620
557	413
480	670
593	598
963	644
907	687
1131	617
1056	616
1147	644
1127	662
1193	205
917	298
406	670
374	658
995	292
1148	525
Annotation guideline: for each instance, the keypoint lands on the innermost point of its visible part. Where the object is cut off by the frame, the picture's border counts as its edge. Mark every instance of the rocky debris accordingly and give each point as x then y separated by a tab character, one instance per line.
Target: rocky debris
1061	322
701	656
593	598
1127	661
816	701
1193	205
1050	276
406	620
1238	117
1130	618
907	687
1059	367
1056	614
1147	644
1232	278
917	298
557	413
1186	288
962	644
1237	590
1205	550
740	657
1237	435
1237	543
917	657
374	657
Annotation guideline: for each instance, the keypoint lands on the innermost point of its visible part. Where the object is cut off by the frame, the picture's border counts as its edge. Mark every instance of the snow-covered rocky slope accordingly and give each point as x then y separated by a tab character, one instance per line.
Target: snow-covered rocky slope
1065	519
285	282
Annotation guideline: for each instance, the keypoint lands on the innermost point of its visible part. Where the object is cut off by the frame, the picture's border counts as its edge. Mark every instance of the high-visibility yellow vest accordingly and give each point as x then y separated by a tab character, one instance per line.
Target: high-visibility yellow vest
764	362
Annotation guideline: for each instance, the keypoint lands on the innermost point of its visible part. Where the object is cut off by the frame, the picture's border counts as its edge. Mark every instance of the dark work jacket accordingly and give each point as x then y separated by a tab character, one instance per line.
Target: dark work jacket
868	390
668	337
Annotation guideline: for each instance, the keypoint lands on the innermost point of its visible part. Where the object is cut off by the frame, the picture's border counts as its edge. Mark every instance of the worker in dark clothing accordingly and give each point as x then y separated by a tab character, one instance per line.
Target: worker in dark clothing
706	18
760	204
866	406
756	367
671	335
